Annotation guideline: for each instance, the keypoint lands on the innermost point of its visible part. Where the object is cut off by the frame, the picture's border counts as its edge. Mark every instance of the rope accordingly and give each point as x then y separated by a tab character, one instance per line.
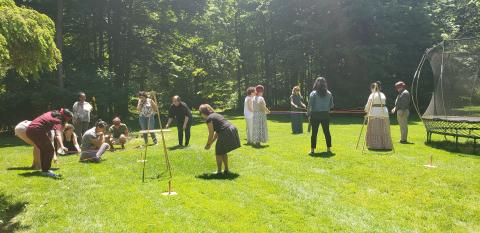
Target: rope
286	112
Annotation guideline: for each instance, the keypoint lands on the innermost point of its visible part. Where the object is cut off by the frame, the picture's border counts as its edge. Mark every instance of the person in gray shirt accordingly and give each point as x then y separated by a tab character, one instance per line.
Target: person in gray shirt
319	105
93	143
402	107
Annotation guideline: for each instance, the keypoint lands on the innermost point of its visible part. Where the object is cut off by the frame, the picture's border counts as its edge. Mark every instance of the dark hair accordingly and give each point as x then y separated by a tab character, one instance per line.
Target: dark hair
250	90
62	114
377	85
142	94
101	124
206	109
320	86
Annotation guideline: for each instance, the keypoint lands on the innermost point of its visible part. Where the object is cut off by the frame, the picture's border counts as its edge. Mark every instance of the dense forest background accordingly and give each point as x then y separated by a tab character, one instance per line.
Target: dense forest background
211	50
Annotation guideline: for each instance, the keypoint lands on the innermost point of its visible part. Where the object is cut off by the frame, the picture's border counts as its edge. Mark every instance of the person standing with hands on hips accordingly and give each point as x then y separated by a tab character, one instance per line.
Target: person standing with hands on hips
182	114
402	107
81	114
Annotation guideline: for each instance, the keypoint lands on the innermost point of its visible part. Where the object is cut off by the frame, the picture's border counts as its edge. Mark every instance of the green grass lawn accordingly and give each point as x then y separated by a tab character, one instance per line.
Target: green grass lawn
278	188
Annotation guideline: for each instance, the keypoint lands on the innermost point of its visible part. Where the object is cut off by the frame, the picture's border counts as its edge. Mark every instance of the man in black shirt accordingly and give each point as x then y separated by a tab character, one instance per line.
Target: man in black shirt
182	114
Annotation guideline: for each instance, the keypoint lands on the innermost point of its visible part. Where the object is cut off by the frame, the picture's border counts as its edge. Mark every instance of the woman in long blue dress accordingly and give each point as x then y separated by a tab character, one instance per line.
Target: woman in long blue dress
296	101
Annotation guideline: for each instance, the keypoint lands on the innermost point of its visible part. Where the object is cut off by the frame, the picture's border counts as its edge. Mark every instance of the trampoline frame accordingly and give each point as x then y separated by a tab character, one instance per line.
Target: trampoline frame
456	126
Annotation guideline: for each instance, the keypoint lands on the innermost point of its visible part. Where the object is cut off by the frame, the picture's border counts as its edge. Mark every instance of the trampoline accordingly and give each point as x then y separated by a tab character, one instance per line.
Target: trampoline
454	108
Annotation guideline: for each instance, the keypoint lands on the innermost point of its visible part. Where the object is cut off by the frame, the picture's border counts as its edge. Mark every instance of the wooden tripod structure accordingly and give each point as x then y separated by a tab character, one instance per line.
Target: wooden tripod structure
165	150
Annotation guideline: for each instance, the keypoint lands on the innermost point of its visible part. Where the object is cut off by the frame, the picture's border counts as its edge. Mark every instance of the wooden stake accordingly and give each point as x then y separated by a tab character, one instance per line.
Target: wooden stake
430	163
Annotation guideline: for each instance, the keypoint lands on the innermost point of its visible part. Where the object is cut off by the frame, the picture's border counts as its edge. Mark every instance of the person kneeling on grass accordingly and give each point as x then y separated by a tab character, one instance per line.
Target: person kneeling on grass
118	133
70	141
93	143
224	132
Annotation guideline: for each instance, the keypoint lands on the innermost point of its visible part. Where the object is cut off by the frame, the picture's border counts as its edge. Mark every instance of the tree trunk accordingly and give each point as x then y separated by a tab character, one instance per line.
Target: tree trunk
239	65
59	41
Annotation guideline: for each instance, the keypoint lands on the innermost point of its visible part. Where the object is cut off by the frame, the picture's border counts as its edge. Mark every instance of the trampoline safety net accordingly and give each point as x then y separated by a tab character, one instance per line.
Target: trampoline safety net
454	108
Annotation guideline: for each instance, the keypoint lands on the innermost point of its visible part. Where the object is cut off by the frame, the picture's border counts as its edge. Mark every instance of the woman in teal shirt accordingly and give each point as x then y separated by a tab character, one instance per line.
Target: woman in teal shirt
320	104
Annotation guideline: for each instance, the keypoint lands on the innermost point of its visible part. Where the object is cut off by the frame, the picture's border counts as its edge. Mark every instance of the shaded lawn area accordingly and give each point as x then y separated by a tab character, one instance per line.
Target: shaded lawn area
276	188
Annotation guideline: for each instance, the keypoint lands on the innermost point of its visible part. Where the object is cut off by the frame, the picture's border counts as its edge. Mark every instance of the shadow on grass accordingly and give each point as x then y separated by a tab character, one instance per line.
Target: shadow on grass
256	146
463	148
381	151
26	169
259	146
407	143
221	176
8	214
325	155
177	147
143	146
38	174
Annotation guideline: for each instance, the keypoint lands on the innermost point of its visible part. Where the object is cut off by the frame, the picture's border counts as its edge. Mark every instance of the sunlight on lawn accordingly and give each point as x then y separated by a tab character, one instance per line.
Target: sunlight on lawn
277	188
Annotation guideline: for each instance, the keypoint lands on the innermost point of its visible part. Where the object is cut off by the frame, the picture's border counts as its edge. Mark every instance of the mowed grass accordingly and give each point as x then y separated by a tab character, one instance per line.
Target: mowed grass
278	188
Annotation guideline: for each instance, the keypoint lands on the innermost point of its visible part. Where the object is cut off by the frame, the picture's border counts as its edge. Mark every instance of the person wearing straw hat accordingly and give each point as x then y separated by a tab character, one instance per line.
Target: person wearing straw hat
296	102
223	132
402	107
260	111
320	102
378	135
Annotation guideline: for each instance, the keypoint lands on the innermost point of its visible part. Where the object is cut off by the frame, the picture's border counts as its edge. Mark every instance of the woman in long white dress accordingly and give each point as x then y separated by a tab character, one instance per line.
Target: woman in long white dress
248	112
260	111
378	128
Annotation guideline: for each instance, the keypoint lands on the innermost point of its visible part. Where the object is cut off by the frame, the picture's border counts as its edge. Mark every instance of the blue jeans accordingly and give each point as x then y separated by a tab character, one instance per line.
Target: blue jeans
148	122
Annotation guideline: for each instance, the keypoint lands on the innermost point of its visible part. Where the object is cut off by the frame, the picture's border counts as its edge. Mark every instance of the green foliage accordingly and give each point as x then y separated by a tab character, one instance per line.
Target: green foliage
457	18
279	188
26	41
210	51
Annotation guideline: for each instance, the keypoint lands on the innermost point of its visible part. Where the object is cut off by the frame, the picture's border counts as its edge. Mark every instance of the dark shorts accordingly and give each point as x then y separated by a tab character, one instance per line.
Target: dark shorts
228	140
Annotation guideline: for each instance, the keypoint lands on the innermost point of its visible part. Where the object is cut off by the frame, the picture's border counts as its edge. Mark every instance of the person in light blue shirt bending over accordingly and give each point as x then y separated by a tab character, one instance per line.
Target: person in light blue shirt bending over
320	104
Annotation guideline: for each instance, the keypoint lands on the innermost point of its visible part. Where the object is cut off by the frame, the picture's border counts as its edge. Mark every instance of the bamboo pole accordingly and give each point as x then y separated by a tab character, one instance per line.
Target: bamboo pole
165	151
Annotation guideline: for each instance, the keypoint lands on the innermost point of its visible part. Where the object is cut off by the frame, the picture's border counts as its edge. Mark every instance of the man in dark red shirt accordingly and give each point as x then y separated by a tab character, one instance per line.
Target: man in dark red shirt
38	131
